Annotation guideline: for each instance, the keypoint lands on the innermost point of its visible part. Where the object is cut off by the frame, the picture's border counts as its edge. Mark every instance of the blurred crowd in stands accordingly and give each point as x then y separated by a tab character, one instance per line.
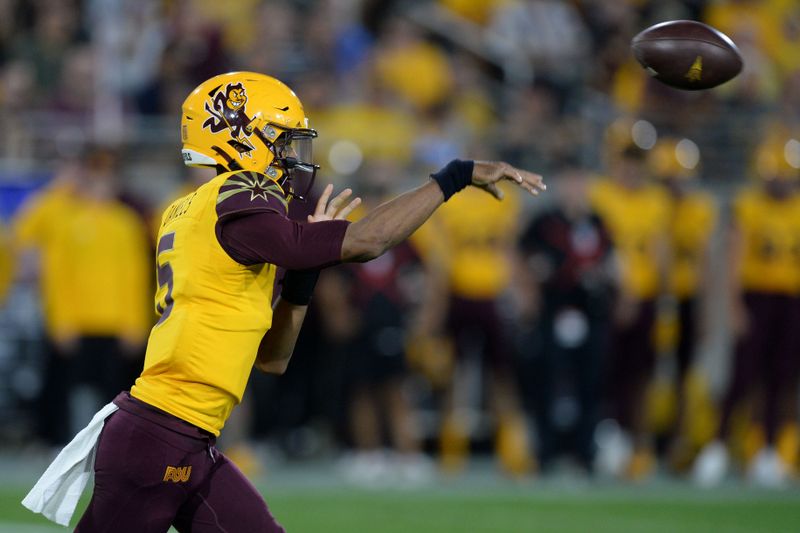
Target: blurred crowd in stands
640	315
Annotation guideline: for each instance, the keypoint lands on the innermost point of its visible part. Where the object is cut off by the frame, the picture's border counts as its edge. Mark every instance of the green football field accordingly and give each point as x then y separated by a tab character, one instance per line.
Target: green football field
536	507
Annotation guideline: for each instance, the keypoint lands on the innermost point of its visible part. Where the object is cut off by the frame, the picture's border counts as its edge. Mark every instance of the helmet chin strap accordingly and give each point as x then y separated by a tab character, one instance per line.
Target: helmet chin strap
284	180
288	166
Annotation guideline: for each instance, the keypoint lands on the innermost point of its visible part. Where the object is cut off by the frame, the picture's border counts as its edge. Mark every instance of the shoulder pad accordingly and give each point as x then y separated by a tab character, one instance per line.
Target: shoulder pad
244	191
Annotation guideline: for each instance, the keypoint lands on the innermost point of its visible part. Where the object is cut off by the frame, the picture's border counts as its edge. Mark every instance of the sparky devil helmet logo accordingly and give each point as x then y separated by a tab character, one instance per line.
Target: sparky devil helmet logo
227	112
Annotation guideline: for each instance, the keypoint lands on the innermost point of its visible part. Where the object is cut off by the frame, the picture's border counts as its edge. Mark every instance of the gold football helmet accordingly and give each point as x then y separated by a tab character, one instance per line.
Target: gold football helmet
249	121
778	158
673	158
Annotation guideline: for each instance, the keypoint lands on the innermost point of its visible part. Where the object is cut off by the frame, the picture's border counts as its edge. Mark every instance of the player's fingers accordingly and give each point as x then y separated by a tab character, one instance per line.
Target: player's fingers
346	210
340	198
516	177
496	191
323	200
492	189
532	178
529	181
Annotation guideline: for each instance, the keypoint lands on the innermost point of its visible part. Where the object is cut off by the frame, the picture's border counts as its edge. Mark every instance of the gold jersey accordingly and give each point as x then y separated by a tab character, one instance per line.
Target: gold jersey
213	311
104	277
770	232
94	264
693	219
474	235
637	221
6	263
36	226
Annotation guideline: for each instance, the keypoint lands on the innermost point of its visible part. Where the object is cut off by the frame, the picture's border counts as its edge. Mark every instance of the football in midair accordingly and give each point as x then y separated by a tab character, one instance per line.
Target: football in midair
686	54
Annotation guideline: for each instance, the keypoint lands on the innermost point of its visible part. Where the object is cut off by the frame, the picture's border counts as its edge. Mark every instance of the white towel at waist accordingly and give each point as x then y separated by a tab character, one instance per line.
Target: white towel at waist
57	492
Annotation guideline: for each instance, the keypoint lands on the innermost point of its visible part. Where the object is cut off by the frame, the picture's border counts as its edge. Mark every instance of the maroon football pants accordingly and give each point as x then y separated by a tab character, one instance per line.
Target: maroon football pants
632	367
766	361
153	471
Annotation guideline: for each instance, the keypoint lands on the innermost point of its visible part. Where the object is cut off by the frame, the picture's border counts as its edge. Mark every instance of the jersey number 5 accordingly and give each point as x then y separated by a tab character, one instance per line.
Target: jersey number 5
164	274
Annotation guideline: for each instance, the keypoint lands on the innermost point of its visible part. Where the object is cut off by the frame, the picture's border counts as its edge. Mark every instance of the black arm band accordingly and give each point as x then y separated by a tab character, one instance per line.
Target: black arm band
298	286
456	175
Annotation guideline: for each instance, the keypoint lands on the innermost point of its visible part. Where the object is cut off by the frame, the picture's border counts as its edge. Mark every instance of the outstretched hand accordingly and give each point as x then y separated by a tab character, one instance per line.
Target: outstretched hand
486	175
336	209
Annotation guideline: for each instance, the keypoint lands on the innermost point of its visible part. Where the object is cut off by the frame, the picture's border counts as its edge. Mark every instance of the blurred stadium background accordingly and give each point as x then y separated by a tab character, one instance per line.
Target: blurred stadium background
548	364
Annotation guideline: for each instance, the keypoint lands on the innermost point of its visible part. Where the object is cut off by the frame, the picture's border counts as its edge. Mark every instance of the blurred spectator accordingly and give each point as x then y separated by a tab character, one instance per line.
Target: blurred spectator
787	52
750	21
763	298
635	212
472	94
194	51
469	246
368	127
8	27
477	11
442	137
238	21
540	35
566	253
334	37
16	97
693	216
534	135
76	85
129	40
276	42
611	26
789	110
414	69
628	87
752	26
94	274
47	45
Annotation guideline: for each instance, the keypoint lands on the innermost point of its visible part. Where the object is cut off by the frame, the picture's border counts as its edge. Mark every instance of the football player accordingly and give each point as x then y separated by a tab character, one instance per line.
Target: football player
635	212
218	250
692	220
94	278
763	298
470	243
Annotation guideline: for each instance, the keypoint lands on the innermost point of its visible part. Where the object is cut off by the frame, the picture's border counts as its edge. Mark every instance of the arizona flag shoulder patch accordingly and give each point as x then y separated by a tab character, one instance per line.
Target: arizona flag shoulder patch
250	191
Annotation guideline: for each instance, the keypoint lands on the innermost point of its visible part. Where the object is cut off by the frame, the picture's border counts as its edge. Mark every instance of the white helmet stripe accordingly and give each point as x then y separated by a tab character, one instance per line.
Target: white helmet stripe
193	158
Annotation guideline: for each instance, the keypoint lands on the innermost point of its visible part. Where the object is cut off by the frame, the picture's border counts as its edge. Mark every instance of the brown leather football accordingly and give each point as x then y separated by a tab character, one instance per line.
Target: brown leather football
686	54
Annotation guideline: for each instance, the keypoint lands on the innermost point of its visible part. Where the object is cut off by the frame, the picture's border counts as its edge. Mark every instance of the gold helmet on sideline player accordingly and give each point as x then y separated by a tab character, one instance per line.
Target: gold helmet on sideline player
249	121
616	138
674	158
778	158
624	132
